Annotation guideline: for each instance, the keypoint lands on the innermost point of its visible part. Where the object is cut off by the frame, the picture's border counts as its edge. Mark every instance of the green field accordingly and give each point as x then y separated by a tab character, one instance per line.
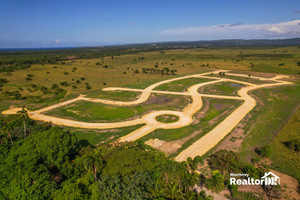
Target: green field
114	95
181	85
34	86
48	83
95	112
217	111
167	118
283	157
224	88
275	106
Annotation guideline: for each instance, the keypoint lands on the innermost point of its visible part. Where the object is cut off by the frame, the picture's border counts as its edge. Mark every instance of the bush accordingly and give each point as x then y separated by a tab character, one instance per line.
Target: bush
293	144
225	161
264	151
54	86
64	83
88	87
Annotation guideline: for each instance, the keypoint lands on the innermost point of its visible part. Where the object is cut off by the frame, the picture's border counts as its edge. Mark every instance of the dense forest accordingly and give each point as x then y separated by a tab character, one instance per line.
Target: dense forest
40	161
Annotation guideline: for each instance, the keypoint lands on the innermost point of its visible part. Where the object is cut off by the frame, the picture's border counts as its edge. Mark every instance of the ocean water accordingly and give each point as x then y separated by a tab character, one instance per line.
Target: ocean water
36	49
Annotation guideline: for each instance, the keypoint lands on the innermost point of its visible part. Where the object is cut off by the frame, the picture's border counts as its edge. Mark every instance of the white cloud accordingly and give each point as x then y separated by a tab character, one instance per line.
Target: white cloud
240	30
57	41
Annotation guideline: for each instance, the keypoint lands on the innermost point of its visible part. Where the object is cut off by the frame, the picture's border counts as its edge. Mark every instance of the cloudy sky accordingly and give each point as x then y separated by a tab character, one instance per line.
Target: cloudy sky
56	23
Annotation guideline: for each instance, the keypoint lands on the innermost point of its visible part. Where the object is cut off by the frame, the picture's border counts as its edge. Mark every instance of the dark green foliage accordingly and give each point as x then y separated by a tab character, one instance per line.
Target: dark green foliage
31	168
216	182
229	162
49	165
54	86
264	151
225	161
64	83
293	144
3	81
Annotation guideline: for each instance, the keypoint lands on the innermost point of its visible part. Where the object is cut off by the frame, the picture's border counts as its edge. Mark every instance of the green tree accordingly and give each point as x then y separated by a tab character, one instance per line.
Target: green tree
7	127
24	115
202	196
174	191
92	162
216	182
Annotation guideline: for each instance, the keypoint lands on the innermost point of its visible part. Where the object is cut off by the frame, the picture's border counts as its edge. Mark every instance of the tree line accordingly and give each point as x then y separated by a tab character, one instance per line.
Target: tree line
40	161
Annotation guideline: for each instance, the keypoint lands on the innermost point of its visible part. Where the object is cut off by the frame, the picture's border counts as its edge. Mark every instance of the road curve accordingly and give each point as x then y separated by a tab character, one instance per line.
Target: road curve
185	116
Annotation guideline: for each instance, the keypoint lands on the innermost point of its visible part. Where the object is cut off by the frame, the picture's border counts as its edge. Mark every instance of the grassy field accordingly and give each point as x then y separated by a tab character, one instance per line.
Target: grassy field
114	95
275	106
35	87
95	112
47	84
181	85
223	88
95	137
283	158
217	110
167	118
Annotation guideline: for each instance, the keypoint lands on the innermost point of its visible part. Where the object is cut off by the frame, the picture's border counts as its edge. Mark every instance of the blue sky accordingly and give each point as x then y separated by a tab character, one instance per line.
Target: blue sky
58	23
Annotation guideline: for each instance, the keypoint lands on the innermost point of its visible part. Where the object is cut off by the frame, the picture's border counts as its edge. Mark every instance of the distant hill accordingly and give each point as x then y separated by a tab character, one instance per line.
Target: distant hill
221	43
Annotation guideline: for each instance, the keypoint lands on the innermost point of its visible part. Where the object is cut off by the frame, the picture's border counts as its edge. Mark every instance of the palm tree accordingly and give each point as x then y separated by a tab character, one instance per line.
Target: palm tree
202	196
159	189
192	164
198	160
174	190
24	115
201	181
191	195
216	182
92	163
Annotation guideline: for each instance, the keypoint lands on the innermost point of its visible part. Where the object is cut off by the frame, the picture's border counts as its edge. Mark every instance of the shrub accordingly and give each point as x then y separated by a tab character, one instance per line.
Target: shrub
293	144
264	151
64	83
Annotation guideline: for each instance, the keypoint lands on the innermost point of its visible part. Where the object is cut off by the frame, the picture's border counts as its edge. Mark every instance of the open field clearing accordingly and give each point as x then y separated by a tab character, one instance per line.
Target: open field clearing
95	112
44	85
89	111
184	103
285	148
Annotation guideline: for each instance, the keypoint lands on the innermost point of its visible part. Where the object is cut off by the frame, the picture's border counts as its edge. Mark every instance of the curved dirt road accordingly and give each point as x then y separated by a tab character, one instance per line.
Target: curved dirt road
185	117
213	137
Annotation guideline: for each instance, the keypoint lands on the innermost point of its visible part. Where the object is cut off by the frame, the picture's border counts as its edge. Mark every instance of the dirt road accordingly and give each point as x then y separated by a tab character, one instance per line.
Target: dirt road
185	116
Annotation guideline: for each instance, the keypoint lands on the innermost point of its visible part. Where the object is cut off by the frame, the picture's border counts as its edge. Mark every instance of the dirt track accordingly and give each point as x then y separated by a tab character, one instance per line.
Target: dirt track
185	117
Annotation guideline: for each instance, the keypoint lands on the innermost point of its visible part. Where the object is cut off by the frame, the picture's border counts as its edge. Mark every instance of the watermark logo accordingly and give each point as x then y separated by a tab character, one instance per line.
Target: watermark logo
268	179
